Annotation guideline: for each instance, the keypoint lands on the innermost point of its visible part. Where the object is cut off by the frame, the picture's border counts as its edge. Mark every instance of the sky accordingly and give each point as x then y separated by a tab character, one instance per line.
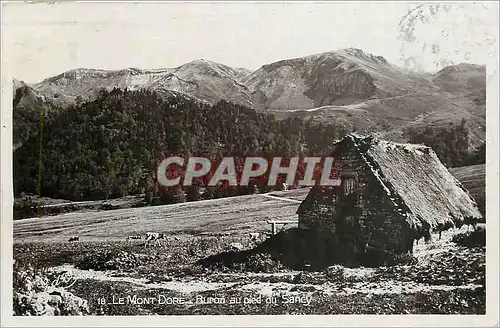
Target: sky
42	40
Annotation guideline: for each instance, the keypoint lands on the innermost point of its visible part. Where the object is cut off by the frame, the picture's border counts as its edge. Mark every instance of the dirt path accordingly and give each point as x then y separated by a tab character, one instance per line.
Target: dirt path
281	198
249	282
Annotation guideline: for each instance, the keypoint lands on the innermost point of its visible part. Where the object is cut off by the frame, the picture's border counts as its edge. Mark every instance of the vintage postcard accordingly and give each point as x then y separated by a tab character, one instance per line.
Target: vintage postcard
249	164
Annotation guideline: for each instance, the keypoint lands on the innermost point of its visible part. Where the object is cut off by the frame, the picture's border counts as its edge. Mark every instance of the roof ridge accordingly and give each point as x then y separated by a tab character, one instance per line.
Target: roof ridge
374	140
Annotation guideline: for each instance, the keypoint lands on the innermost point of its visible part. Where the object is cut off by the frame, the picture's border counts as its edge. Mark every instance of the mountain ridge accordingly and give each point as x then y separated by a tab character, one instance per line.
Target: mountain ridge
358	89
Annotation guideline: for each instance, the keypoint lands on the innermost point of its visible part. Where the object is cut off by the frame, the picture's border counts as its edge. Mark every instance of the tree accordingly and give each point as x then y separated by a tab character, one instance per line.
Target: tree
172	195
78	100
192	193
131	132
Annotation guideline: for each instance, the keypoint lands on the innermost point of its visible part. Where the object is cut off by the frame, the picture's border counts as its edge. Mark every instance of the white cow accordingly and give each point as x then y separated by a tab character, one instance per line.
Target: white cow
155	237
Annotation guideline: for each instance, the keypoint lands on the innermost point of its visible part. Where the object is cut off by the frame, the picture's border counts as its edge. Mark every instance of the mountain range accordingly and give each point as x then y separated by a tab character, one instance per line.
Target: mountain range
358	90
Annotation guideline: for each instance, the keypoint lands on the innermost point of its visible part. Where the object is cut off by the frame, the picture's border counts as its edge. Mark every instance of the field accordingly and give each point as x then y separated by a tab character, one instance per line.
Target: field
473	178
226	216
117	277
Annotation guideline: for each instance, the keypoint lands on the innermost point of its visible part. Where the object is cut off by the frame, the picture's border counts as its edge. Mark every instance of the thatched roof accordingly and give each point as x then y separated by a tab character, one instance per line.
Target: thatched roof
419	185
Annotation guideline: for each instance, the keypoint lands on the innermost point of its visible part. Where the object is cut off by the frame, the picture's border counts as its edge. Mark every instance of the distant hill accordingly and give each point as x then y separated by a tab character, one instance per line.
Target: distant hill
467	82
461	77
340	78
202	79
365	93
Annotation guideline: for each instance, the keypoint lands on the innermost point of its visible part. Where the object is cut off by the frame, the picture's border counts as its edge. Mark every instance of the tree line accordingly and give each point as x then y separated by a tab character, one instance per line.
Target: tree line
451	144
112	146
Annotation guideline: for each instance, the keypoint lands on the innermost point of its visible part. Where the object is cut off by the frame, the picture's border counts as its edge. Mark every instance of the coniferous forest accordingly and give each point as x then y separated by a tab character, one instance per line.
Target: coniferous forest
111	147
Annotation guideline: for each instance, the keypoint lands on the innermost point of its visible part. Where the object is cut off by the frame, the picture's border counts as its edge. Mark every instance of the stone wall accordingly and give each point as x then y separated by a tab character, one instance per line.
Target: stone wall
368	218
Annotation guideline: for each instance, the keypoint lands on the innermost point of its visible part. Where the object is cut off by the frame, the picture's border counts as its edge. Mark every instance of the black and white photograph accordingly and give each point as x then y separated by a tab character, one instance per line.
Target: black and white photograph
274	162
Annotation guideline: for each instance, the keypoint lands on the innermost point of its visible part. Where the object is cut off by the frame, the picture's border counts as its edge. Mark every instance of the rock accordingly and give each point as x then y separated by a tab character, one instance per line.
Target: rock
54	300
237	246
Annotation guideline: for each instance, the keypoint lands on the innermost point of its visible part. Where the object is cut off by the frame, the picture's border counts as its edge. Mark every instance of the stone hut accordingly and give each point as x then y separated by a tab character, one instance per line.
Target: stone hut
390	194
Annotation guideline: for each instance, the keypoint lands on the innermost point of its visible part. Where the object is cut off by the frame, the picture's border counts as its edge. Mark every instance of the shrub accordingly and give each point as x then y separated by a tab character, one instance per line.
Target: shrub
109	260
405	259
305	277
39	292
335	273
262	262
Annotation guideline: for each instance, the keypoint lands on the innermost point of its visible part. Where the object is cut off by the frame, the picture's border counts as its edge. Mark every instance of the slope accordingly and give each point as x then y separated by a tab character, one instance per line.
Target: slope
347	87
30	109
365	93
201	79
473	178
332	78
235	215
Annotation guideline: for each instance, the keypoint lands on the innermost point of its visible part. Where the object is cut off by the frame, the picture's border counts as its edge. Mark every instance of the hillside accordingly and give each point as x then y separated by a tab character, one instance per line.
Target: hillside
366	93
461	77
127	119
28	107
473	178
349	87
342	77
124	135
236	215
201	79
467	82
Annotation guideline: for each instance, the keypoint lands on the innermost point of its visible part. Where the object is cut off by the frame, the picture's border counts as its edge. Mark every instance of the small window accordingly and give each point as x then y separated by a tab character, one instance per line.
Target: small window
349	185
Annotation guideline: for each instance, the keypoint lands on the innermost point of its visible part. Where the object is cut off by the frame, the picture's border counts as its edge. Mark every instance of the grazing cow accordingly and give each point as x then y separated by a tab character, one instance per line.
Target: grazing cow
155	237
130	238
74	238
